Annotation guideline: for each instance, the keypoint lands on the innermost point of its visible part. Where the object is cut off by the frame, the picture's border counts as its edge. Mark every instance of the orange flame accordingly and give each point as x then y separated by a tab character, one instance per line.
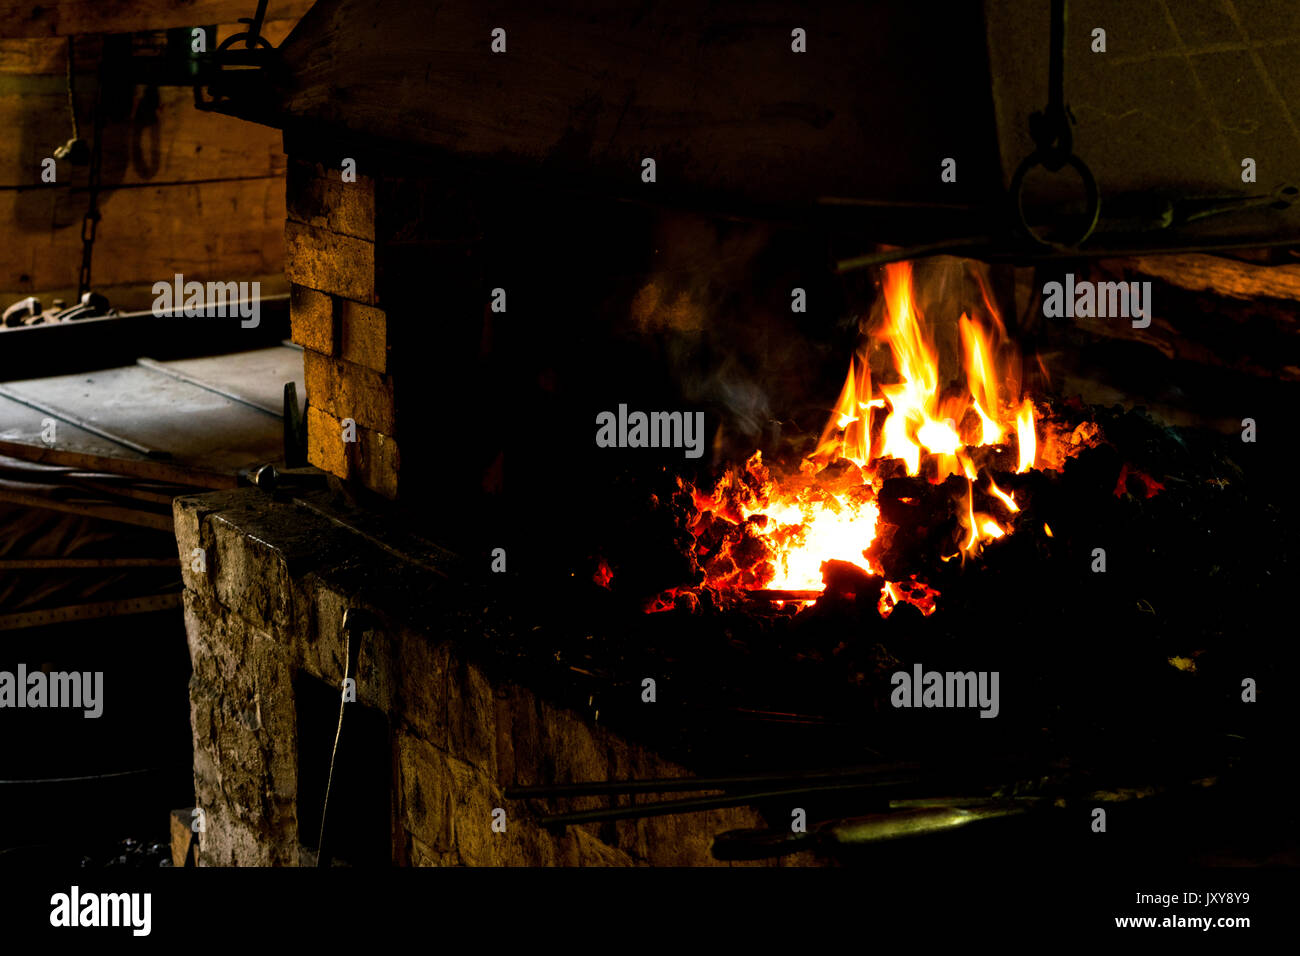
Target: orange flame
821	512
1025	434
980	379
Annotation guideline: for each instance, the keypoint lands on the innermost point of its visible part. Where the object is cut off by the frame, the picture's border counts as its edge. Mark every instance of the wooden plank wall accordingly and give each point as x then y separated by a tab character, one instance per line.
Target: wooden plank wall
181	190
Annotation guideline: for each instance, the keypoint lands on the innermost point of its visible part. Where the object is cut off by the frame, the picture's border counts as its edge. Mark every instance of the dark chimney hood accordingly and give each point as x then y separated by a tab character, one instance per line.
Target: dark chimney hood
740	124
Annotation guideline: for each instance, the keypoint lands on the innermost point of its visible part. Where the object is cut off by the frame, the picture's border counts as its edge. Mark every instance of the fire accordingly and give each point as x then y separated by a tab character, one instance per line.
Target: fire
1006	499
1025	434
827	509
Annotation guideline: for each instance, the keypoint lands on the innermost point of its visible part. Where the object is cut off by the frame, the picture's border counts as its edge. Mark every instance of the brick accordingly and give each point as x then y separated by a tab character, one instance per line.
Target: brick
473	798
329	262
325	447
592	852
311	319
425	793
471	716
422	685
377	462
244	732
364	335
373	459
347	390
248	576
317	196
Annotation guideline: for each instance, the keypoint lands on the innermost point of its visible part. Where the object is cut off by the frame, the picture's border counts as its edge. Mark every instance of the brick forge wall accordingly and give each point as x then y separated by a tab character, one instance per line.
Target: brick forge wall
268	609
330	261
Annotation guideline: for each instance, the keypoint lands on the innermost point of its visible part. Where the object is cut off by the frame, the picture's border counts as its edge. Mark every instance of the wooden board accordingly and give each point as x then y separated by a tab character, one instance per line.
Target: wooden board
159	140
712	92
23	18
220	231
172	143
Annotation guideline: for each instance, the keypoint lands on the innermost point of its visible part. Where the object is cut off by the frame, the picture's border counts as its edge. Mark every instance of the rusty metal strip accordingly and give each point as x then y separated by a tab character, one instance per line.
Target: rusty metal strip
126	491
89	612
188	379
146	519
43	564
81	423
135	468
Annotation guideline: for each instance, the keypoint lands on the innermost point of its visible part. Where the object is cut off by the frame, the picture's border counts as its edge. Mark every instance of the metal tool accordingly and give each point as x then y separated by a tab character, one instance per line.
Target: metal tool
757	844
295	428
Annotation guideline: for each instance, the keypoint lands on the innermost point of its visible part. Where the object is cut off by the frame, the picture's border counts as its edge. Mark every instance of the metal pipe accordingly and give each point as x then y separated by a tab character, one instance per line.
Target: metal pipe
188	379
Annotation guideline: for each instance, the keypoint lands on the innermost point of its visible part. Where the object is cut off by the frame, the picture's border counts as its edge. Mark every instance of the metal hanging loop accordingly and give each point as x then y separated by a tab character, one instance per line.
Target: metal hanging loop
1053	135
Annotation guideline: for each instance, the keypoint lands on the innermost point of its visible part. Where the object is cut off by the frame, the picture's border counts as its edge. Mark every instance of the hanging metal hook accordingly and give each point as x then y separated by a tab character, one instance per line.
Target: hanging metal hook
1053	135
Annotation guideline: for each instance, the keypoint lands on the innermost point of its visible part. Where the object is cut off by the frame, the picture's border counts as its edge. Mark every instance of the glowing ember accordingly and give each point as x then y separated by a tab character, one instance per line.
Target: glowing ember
766	529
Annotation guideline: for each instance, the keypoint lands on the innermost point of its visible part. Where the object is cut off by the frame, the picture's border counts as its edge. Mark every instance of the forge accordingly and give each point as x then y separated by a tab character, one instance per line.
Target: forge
707	437
653	484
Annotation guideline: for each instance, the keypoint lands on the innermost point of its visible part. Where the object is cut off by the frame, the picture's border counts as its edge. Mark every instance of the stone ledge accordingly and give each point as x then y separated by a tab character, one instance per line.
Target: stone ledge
461	727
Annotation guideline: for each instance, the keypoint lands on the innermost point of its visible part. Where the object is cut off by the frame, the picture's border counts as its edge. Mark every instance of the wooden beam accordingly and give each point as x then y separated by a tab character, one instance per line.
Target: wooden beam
25	18
712	92
218	231
1220	276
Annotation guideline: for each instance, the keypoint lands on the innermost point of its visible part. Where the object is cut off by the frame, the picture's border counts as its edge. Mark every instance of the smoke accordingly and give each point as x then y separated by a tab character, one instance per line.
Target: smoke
718	300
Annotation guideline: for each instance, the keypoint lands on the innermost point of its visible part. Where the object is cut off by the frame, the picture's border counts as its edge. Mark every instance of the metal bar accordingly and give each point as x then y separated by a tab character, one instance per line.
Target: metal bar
152	469
670	784
1056	60
146	519
126	491
89	612
179	311
911	252
41	564
112	775
188	379
694	805
81	423
896	204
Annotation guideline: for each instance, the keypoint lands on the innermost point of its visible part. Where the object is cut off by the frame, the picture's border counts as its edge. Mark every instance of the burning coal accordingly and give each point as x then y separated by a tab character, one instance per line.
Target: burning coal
778	528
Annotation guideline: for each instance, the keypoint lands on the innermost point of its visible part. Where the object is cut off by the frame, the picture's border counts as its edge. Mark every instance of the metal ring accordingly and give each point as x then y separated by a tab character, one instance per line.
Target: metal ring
236	37
1037	158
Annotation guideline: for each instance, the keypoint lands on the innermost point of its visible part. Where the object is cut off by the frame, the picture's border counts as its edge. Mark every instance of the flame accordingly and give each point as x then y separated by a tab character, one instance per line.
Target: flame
852	418
1025	434
1007	500
980	379
779	527
914	420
